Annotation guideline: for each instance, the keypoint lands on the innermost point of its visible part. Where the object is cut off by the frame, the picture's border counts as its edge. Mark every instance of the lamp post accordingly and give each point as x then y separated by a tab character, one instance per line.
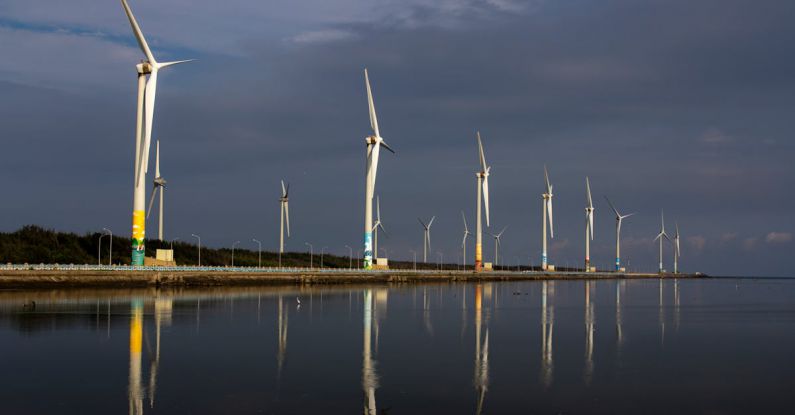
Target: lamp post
441	257
322	251
415	258
259	253
172	244
233	252
99	250
358	257
311	255
350	256
110	248
200	247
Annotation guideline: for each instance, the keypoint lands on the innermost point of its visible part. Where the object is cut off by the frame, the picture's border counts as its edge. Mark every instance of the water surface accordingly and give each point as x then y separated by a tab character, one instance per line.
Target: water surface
638	346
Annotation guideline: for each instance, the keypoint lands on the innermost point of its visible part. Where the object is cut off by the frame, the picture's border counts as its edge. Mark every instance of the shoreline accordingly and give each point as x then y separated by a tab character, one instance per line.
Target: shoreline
33	278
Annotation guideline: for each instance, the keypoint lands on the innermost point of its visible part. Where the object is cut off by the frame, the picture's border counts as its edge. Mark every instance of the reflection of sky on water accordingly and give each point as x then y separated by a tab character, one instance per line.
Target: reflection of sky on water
712	345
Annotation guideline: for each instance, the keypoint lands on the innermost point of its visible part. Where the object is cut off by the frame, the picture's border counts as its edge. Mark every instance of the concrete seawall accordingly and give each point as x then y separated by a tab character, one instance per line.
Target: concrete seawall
129	278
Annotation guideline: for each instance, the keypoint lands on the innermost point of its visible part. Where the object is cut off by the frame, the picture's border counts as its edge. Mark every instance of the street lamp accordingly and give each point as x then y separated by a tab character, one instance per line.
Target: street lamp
233	252
415	258
99	250
441	257
350	256
311	255
259	253
322	250
110	249
200	247
358	256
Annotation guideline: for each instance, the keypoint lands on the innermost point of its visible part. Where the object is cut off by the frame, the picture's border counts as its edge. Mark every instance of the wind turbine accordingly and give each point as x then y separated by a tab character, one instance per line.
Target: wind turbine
589	209
677	253
660	237
547	215
483	194
284	201
159	185
497	244
467	234
619	219
426	242
377	225
374	143
147	90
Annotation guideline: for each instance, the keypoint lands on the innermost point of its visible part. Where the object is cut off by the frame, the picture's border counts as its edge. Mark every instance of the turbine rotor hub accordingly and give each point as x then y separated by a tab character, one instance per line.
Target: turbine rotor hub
144	68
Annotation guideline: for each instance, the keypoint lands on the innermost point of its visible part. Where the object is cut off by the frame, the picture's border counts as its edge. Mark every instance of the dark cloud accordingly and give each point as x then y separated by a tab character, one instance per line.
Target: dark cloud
678	105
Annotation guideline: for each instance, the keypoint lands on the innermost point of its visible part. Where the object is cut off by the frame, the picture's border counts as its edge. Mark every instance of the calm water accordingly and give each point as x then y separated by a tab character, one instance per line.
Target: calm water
709	346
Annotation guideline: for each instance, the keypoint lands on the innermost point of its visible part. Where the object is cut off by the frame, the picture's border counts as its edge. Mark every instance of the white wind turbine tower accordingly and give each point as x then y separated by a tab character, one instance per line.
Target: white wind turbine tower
467	234
483	195
589	209
660	237
619	219
547	215
159	185
284	202
677	253
374	143
377	225
426	241
497	244
147	90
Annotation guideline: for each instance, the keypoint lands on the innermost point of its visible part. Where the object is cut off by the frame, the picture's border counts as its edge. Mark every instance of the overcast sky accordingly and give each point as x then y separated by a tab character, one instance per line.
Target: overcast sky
679	105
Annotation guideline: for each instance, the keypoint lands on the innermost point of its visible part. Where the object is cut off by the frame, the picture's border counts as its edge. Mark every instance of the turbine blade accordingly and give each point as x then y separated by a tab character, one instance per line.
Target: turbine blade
386	146
378	209
613	207
481	153
374	165
167	64
499	235
546	179
588	192
157	158
373	118
287	216
151	201
428	236
626	216
431	222
381	225
139	36
549	213
486	197
590	219
284	190
659	235
466	229
149	111
422	223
